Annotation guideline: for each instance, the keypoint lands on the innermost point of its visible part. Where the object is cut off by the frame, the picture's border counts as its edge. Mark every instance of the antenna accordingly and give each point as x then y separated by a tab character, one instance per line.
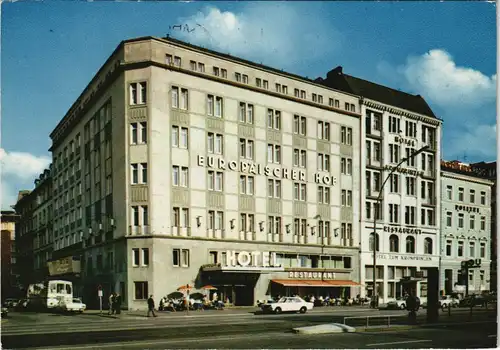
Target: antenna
465	157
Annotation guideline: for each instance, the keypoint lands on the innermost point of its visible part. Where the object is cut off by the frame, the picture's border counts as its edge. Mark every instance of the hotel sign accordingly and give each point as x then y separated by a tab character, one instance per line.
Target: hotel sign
404	170
259	169
466	208
311	275
402	257
399	139
407	230
255	260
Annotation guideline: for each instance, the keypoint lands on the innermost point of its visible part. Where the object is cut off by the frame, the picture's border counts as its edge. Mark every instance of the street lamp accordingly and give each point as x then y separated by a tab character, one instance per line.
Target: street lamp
377	206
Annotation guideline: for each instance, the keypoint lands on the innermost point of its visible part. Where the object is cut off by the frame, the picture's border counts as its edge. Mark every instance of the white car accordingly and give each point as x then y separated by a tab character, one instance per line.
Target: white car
288	304
448	301
397	304
75	305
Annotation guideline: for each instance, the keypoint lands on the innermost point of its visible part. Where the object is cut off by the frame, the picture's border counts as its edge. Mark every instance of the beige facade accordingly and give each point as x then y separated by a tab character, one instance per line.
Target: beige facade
174	155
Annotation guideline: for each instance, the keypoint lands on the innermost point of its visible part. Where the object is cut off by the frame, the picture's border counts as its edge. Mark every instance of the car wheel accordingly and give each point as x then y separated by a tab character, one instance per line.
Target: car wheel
402	307
277	310
303	310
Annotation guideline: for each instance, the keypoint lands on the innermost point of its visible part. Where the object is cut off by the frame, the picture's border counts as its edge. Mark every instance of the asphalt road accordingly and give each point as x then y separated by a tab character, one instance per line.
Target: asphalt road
21	331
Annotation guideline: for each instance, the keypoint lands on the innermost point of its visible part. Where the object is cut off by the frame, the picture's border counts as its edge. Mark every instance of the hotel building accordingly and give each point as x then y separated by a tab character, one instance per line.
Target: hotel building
179	165
395	125
465	228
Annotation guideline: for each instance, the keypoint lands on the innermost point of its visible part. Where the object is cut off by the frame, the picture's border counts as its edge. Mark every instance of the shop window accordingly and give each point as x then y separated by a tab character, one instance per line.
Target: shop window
390	272
391	289
141	290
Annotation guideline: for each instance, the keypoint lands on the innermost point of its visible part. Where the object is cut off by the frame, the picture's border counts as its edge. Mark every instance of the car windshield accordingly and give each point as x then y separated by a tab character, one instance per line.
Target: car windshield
282	300
77	300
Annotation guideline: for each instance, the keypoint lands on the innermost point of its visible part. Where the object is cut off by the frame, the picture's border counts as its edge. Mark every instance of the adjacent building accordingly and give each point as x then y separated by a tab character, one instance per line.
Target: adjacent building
9	220
394	126
180	165
465	228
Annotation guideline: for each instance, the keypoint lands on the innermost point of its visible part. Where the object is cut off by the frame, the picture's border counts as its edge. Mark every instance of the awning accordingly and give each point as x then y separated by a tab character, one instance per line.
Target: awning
317	283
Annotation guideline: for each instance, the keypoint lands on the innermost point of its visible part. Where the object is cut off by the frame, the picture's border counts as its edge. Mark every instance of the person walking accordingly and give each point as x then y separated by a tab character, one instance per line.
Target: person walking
118	304
111	302
151	305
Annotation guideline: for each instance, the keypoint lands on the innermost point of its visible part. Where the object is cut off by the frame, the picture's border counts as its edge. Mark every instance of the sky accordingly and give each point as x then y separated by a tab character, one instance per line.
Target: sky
444	51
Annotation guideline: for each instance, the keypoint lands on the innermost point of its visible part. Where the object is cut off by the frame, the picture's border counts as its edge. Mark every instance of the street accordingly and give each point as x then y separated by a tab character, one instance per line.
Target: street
239	328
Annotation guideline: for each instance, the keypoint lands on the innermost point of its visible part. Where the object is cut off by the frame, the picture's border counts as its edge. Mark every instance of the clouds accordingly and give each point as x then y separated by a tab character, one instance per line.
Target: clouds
272	33
19	170
464	97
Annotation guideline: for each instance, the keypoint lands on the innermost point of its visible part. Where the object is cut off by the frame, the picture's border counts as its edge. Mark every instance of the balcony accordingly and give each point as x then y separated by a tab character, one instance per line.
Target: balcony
248	235
138	230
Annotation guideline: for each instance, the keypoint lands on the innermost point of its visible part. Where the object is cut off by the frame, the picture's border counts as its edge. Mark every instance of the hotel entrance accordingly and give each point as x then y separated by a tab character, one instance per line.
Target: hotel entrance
236	287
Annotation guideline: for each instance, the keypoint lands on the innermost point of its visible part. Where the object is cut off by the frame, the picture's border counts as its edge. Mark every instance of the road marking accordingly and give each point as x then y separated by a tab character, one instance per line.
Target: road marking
400	342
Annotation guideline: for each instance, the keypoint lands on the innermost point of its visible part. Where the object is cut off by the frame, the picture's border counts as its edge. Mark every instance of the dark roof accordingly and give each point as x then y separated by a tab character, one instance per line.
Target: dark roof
336	79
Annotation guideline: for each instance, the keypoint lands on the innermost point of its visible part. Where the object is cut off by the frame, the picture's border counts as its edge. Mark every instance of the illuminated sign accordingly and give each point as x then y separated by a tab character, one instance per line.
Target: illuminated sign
407	230
404	170
259	169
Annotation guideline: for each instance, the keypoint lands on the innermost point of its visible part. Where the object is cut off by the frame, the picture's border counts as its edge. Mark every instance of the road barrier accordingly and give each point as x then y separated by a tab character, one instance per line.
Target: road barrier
376	320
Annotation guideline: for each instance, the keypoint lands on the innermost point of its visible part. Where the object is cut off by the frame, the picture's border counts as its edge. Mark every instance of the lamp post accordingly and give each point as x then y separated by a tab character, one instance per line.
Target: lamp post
377	207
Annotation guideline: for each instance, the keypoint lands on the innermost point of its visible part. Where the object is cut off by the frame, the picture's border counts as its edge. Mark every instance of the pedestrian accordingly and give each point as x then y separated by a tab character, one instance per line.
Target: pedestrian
111	301
118	304
151	305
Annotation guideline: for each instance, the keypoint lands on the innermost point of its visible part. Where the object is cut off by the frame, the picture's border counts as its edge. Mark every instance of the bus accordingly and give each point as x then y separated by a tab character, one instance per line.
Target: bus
49	294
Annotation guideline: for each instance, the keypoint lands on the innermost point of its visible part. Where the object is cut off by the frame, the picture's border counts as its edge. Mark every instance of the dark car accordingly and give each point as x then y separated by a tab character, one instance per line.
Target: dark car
473	300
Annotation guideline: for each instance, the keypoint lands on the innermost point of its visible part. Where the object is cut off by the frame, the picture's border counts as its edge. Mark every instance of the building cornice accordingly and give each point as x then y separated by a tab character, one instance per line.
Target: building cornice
469	178
401	112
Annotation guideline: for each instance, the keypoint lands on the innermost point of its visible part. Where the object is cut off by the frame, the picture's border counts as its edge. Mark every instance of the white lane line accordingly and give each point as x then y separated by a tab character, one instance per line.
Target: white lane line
400	342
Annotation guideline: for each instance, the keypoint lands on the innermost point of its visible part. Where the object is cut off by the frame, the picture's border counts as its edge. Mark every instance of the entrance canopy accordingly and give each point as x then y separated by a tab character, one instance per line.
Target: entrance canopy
317	283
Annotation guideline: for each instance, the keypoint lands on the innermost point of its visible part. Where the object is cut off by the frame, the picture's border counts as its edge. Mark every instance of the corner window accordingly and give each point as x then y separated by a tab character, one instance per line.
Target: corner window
138	93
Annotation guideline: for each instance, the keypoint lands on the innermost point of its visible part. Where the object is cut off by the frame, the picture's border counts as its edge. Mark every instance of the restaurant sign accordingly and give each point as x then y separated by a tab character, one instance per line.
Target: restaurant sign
408	230
259	169
311	275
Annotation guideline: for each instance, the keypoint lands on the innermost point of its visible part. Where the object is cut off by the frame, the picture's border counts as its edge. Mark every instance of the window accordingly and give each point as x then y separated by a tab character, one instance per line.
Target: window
346	166
258	82
274	154
247	185
138	133
461	220
144	173
216	71
430	217
179	98
377	121
141	290
346	198
449	192
377	152
353	108
274	225
274	188
245	79
299	227
410	215
347	106
368	208
346	135
324	131
145	256
237	77
483	223
273	119
278	88
411	184
135	173
296	93
299	158
314	97
179	137
246	149
394	183
428	246
483	198
482	250
180	217
472	196
179	176
247	222
472	222
303	94
460	250
215	220
224	73
394	153
180	257
214	106
246	113
422	216
410	244
394	124
323	195
265	84
410	129
299	192
448	247
377	242
299	125
215	143
323	162
394	213
215	180
138	93
394	244
320	99
472	249
411	161
135	257
460	194
449	218
330	102
201	67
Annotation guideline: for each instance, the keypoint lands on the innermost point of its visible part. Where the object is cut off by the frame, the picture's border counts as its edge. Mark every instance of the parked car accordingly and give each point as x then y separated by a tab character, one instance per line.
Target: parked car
448	301
400	303
10	303
76	305
5	312
288	304
473	300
